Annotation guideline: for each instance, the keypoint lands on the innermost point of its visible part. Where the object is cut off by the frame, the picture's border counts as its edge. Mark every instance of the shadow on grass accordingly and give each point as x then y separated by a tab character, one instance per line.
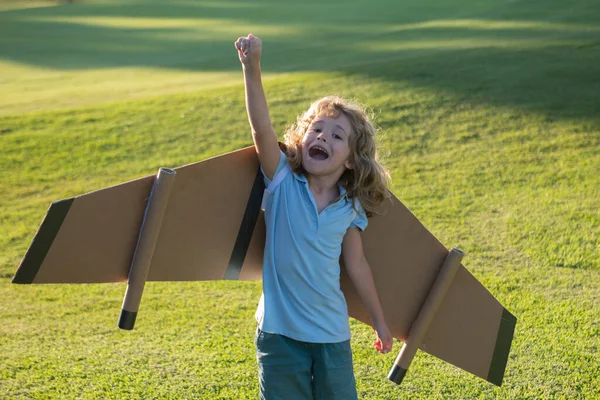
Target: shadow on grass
578	265
497	54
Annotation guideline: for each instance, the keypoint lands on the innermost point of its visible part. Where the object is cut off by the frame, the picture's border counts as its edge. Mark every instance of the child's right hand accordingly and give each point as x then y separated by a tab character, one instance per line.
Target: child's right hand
384	340
249	50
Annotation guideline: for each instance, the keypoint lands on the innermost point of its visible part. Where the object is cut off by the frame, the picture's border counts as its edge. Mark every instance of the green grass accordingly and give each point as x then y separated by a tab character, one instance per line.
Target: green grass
489	114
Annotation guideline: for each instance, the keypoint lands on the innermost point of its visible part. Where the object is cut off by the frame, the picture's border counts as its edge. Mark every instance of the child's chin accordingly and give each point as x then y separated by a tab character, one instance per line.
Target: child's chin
311	166
316	170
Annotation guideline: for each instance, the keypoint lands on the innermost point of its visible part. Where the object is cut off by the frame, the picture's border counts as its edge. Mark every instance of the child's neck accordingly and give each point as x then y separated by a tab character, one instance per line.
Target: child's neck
324	189
322	184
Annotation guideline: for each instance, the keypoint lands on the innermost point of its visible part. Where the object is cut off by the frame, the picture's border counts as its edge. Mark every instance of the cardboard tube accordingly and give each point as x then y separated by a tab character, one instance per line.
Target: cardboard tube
428	310
144	250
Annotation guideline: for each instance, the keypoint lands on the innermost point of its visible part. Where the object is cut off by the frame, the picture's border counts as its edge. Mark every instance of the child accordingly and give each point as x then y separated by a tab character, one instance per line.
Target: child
321	192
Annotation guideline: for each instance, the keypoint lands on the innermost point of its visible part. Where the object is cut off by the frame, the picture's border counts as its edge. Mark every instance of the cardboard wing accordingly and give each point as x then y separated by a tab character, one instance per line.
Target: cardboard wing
211	228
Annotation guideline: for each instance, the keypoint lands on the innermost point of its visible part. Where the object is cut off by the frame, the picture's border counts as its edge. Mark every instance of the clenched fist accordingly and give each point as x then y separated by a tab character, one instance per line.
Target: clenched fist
249	50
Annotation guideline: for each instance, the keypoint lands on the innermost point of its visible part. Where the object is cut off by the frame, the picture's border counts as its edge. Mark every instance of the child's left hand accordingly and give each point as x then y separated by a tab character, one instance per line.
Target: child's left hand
383	343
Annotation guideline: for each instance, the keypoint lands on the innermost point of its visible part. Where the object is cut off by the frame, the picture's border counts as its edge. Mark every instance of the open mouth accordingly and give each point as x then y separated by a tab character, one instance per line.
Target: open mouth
318	153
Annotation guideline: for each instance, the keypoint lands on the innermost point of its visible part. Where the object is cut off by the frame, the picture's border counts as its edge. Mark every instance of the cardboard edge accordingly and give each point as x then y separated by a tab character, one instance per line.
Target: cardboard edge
242	242
502	348
33	259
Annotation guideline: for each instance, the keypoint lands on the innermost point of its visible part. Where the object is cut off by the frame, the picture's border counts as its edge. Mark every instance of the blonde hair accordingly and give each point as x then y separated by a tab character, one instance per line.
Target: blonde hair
368	179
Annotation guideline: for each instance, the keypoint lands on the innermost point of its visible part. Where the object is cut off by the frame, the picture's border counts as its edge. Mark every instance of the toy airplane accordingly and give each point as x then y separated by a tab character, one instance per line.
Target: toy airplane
203	222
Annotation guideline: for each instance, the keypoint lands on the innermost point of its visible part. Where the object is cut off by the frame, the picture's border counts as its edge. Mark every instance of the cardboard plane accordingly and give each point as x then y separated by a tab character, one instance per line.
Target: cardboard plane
204	221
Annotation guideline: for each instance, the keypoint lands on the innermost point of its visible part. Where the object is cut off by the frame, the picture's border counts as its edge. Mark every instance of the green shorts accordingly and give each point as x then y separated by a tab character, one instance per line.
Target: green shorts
293	370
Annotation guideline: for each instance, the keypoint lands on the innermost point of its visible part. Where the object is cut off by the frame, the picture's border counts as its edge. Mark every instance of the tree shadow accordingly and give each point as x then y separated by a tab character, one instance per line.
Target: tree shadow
483	51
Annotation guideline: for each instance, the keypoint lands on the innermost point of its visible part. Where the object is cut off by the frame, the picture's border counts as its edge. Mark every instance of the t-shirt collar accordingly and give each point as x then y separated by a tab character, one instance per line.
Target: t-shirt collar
303	179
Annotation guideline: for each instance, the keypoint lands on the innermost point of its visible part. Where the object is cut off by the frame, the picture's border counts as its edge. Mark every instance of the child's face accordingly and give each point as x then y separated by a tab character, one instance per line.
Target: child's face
325	146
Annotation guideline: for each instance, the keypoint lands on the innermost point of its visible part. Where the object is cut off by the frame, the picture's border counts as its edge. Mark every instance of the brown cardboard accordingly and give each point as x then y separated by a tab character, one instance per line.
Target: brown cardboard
147	238
92	238
426	314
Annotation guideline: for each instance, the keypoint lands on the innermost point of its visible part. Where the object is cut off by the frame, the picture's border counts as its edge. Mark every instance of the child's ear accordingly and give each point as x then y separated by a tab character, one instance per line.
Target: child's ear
349	164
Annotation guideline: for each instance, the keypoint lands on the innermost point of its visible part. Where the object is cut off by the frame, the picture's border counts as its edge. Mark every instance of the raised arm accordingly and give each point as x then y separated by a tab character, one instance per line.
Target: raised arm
265	140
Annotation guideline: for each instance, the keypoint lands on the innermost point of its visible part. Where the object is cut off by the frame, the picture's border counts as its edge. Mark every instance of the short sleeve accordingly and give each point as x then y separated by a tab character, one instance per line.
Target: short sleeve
280	166
360	220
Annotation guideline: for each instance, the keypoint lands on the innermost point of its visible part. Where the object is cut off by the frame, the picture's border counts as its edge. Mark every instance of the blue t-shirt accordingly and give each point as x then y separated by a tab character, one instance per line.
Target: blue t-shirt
301	296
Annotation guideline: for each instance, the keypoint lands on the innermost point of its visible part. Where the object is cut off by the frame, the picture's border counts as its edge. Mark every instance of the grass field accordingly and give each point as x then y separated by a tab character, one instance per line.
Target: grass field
490	119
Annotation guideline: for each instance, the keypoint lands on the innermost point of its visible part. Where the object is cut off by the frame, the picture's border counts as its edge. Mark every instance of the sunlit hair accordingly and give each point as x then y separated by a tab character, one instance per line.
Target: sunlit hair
368	180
